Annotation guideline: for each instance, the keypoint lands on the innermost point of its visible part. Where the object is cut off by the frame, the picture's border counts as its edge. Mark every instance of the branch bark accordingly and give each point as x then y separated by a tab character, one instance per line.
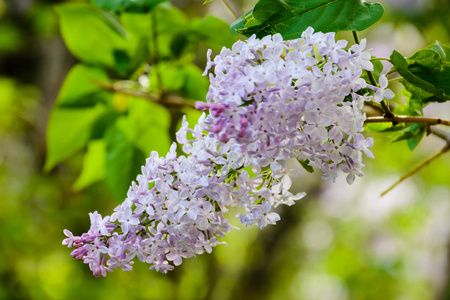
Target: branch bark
407	119
169	100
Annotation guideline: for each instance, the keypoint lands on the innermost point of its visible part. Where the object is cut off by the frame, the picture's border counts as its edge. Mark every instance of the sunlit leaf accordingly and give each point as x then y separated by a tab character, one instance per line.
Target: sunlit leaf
79	88
170	21
150	123
93	165
378	127
90	36
68	131
292	17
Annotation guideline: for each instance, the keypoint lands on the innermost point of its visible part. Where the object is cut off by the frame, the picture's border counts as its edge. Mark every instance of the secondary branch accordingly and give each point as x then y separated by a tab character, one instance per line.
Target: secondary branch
418	168
169	100
408	119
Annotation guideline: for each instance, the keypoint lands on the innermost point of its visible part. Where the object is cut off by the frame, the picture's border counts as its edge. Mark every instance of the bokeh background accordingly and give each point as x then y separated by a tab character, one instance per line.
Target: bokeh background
340	242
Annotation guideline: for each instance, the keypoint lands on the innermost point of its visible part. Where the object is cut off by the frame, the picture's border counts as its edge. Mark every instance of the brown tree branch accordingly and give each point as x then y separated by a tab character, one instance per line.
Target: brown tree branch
407	119
168	100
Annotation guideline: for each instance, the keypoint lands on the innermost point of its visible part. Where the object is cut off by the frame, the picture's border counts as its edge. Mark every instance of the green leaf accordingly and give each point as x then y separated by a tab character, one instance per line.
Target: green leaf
207	1
171	75
424	60
195	84
170	21
135	6
150	123
104	122
384	127
214	32
425	71
93	165
443	50
90	36
412	133
415	107
109	5
413	142
68	131
79	88
292	17
123	161
182	78
141	6
306	166
378	127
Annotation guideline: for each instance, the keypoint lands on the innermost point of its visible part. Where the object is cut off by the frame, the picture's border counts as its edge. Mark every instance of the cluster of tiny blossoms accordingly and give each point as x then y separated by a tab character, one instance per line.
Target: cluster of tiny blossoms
269	101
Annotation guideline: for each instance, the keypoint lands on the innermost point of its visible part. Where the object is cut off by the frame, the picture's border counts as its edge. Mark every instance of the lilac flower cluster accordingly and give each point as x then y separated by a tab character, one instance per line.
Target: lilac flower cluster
293	99
270	100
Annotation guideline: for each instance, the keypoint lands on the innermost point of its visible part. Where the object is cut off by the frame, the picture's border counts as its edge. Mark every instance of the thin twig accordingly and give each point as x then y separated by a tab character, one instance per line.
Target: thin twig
155	57
418	168
230	9
440	134
408	119
169	100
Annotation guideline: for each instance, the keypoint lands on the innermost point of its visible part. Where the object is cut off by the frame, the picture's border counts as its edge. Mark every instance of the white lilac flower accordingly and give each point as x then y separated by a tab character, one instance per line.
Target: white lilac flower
382	92
269	101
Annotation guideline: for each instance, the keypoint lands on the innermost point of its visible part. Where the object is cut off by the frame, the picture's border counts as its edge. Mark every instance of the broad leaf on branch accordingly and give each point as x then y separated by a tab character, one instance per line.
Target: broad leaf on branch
79	88
91	36
292	17
163	24
413	134
150	124
68	131
93	165
426	73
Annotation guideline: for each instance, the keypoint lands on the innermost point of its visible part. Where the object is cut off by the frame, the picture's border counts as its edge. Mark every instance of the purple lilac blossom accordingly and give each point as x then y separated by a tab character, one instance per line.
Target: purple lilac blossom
269	101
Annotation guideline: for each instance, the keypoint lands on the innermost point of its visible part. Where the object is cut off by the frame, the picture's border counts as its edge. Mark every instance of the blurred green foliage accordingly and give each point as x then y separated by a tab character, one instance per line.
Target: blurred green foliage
134	49
342	242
